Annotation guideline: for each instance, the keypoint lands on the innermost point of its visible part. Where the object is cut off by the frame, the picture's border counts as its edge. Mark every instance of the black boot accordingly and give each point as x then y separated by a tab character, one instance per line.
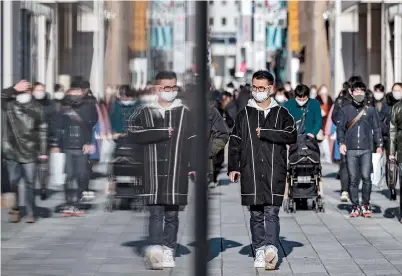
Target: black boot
43	194
393	194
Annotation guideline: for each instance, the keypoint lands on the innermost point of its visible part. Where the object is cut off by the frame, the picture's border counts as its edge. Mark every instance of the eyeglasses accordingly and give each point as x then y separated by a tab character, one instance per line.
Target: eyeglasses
260	88
170	88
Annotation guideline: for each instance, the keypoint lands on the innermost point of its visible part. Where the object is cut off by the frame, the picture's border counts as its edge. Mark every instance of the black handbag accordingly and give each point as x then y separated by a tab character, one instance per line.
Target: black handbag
392	173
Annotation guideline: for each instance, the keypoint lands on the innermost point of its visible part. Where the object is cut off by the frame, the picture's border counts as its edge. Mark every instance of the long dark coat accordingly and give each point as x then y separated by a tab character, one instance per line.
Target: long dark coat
166	159
261	161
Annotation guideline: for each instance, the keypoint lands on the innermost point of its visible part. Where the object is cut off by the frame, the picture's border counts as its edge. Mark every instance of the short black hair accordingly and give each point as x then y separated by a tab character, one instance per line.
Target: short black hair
287	82
166	75
38	83
397	84
264	75
358	85
380	87
126	91
302	91
85	85
345	85
354	79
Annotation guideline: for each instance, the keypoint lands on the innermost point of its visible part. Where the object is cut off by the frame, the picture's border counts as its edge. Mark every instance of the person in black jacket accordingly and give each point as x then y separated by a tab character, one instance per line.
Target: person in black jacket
357	125
74	124
344	98
24	141
40	95
258	155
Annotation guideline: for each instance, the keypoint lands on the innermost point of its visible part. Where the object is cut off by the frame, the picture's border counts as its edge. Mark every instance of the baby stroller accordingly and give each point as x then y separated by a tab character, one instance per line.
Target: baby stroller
125	181
304	175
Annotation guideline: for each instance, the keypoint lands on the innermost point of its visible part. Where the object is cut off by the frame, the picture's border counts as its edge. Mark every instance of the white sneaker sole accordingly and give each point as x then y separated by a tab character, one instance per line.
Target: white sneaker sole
344	199
271	259
169	265
154	261
259	265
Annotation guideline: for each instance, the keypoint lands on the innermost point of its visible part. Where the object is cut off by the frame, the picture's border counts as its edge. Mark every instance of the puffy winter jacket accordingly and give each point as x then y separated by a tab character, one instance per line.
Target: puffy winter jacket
363	133
24	128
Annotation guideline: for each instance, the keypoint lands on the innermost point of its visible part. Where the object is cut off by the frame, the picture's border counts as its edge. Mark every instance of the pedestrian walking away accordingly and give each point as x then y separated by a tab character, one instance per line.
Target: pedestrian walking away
258	156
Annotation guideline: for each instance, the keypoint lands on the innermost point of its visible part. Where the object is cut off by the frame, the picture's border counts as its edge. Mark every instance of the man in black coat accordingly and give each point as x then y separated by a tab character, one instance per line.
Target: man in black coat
74	125
40	95
258	155
24	142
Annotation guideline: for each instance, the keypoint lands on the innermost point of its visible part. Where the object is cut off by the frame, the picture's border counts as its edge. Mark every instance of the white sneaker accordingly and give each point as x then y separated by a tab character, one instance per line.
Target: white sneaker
271	257
168	257
259	261
154	257
345	197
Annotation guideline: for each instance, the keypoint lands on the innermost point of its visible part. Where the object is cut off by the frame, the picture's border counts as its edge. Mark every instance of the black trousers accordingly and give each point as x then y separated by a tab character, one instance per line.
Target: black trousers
344	174
163	225
264	225
76	168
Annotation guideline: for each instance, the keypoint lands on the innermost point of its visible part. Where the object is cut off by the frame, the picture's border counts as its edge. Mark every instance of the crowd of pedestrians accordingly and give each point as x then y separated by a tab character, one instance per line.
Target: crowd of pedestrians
152	132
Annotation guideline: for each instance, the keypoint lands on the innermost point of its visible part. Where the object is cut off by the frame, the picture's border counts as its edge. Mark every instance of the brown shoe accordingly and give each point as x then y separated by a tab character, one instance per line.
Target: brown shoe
30	219
14	216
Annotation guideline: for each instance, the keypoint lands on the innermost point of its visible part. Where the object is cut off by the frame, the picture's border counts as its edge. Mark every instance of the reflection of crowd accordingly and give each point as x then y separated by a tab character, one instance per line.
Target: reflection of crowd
151	132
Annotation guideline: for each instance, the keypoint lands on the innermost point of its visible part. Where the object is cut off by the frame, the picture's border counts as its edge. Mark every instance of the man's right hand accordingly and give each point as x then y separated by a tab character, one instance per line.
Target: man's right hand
55	150
22	86
342	149
233	176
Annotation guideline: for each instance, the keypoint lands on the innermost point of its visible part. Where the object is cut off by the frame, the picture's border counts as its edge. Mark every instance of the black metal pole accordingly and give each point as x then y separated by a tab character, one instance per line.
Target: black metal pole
201	117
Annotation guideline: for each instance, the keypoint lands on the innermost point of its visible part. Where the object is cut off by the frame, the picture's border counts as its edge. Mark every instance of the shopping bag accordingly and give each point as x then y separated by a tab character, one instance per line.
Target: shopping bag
378	175
107	147
56	166
325	151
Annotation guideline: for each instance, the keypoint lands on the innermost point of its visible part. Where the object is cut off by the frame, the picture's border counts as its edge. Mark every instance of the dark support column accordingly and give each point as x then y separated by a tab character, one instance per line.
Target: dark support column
200	116
67	35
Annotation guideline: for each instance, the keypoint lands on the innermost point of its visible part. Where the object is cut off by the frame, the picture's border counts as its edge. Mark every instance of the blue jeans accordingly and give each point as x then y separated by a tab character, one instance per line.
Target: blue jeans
26	171
359	165
264	225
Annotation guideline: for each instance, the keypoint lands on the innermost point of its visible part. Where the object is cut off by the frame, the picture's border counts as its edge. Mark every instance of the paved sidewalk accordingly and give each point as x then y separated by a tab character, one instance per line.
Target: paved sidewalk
103	243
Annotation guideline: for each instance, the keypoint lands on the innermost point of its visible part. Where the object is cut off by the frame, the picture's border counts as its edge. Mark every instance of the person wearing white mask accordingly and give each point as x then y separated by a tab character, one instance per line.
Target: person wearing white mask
258	142
49	108
281	96
165	127
24	141
313	92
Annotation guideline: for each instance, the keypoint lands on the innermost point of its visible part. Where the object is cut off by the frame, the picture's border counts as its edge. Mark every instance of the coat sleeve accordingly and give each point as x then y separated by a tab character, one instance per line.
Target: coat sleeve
140	133
377	131
42	128
286	133
393	128
341	127
6	95
219	133
317	119
235	145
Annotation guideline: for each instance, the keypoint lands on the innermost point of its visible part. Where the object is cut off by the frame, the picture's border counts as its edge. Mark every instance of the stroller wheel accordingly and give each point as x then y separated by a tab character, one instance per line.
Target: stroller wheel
314	206
285	205
292	206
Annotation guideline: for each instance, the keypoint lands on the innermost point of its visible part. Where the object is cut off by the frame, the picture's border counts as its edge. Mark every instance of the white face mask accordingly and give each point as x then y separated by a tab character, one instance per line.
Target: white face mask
324	91
313	94
150	98
397	95
288	88
378	96
301	103
39	94
280	98
59	95
168	96
23	98
129	102
260	96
